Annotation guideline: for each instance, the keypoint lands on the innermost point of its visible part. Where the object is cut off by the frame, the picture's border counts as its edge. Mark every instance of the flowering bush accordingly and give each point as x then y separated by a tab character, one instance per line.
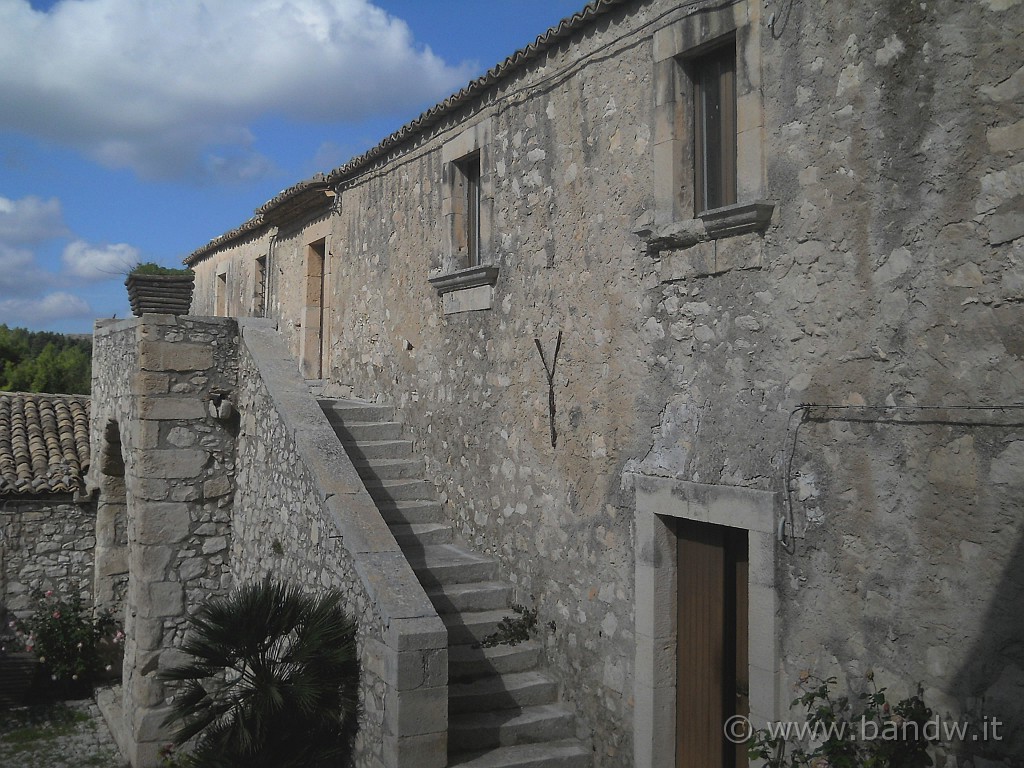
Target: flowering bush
67	637
873	734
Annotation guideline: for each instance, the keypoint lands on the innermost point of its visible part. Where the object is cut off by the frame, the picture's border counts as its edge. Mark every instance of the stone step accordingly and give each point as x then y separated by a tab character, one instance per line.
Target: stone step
501	692
565	753
472	596
466	663
375	450
467	627
355	410
358	431
474	731
377	470
401	490
450	563
419	535
410	512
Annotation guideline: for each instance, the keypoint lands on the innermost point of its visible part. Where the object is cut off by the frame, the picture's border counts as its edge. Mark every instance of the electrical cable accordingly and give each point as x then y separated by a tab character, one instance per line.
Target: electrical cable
804	409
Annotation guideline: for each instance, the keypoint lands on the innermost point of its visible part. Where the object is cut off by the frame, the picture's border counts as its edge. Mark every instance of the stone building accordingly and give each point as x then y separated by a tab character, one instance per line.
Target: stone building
47	522
692	326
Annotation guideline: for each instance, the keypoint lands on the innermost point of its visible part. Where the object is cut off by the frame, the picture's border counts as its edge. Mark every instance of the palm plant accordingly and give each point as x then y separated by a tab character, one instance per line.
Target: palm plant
272	680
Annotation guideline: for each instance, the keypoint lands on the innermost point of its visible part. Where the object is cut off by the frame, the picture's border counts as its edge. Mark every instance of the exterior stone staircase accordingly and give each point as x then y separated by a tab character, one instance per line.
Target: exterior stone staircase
503	711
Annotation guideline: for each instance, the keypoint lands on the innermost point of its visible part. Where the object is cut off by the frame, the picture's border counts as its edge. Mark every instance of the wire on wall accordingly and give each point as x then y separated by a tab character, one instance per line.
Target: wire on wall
889	415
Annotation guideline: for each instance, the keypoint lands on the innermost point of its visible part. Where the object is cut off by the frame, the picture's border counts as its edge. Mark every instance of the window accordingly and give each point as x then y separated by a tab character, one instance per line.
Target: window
714	128
710	211
466	205
220	293
259	298
466	272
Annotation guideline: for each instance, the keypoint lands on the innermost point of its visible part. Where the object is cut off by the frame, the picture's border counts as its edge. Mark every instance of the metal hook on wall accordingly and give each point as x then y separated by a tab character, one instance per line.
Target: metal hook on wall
550	371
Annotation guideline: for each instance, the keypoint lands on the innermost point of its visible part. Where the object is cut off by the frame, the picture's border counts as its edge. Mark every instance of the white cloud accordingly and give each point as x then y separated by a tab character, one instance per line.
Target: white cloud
160	86
45	311
30	220
99	263
20	275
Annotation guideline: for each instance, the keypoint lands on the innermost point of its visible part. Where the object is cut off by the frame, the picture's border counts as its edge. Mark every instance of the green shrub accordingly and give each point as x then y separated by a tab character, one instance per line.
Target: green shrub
71	641
152	268
272	681
840	736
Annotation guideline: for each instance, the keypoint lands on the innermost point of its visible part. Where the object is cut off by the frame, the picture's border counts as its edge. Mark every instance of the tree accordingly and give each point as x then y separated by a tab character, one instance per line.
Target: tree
44	362
272	681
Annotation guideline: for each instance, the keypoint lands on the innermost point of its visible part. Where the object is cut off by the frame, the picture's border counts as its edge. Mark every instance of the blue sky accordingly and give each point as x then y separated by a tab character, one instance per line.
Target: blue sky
138	130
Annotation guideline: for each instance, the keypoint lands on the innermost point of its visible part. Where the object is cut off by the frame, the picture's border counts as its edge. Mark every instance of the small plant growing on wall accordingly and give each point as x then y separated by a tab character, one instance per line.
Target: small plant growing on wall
869	732
152	268
272	680
512	630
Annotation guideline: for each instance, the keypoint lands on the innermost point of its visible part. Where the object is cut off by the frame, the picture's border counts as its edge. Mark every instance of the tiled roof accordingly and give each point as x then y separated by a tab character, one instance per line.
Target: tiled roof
510	66
44	442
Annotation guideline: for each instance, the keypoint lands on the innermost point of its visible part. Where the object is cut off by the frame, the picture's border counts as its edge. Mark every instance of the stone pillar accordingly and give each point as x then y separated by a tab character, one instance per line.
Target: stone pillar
177	534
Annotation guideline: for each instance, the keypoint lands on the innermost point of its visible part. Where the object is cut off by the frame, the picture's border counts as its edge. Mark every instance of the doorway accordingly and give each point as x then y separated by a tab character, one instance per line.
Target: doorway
711	643
313	314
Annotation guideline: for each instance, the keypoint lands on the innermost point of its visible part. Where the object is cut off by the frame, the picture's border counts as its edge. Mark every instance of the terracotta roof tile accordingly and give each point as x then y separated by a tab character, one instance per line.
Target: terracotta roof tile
44	442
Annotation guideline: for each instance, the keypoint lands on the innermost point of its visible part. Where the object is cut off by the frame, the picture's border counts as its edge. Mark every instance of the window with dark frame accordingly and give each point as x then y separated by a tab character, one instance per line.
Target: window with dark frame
468	200
260	288
714	161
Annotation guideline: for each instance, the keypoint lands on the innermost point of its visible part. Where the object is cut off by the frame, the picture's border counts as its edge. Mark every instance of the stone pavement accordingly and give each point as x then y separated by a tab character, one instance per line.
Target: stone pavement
69	735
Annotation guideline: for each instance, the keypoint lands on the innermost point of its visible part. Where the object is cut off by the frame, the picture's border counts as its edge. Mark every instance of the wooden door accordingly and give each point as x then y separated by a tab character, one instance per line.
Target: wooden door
313	312
711	643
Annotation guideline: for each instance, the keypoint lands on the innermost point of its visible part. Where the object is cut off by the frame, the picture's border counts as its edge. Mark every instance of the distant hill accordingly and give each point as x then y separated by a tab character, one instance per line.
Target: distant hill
40	361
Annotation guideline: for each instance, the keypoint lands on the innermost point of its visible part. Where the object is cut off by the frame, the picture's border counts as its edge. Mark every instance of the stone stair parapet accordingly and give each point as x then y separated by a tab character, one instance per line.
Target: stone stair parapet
403	648
503	709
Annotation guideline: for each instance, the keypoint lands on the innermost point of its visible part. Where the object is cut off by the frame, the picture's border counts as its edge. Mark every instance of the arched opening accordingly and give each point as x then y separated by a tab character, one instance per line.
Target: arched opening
111	578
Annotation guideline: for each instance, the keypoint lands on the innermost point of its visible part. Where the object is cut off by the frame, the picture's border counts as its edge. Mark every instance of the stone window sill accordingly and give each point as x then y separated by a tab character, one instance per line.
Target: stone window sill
717	241
466	290
737	219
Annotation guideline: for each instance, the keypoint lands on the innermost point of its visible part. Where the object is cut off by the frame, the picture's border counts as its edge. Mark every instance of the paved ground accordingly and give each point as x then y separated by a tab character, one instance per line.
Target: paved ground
67	735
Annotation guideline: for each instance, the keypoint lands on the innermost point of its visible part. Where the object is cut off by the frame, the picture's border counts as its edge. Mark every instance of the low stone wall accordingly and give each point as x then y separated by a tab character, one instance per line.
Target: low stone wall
302	514
45	544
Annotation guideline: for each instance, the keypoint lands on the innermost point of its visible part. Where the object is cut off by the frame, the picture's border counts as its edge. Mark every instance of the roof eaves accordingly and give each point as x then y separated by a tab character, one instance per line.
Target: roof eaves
251	226
506	68
475	88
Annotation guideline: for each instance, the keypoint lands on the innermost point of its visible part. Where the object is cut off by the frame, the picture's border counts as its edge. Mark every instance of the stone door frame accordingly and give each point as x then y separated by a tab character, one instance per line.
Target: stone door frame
658	501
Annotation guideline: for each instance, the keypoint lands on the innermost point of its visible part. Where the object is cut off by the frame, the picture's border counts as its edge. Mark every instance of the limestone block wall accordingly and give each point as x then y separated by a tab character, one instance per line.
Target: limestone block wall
301	514
45	544
886	287
163	387
895	279
233	278
570	173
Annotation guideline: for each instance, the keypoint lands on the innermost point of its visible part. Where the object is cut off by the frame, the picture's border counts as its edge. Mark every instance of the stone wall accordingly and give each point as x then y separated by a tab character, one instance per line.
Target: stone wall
45	544
162	427
472	387
886	285
302	514
224	469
